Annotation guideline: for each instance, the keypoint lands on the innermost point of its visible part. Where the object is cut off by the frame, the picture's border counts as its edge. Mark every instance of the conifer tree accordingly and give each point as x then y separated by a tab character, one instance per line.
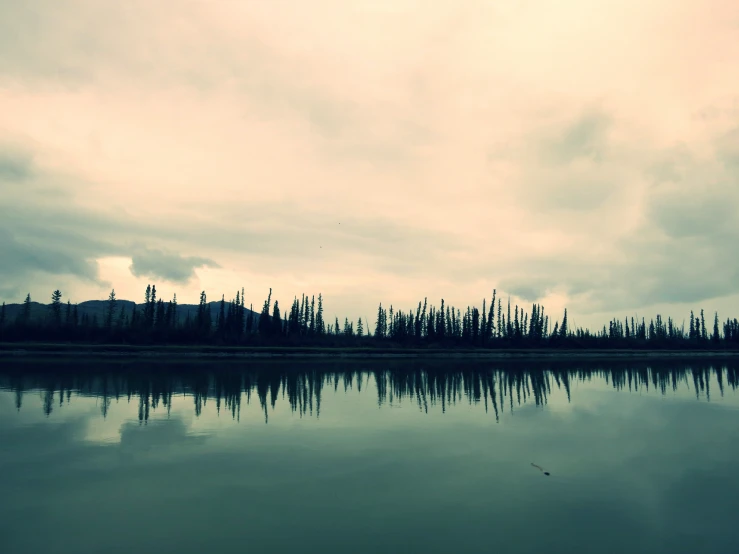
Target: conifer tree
173	313
483	322
110	310
563	329
423	318
152	306
250	320
203	318
320	326
26	313
523	328
276	320
264	322
509	329
715	337
306	317
56	307
312	315
147	305
221	325
441	324
490	325
379	325
122	317
160	317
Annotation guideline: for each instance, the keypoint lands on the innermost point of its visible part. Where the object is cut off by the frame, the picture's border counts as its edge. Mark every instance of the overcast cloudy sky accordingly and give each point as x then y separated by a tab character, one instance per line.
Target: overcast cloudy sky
571	152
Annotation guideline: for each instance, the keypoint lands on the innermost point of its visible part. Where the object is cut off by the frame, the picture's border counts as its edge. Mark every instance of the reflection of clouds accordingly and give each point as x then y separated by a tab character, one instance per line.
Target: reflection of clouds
159	434
121	424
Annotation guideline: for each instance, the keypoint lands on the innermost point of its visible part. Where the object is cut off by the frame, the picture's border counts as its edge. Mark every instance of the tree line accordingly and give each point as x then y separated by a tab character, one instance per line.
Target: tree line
230	322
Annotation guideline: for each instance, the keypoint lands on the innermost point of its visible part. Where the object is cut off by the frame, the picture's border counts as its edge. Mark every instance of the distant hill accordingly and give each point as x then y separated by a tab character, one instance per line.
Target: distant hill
98	308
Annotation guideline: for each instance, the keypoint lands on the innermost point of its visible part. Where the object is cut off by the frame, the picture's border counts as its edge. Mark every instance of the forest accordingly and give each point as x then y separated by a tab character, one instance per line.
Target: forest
232	323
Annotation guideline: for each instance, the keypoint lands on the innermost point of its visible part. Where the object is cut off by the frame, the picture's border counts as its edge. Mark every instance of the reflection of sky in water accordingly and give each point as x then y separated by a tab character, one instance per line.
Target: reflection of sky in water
631	471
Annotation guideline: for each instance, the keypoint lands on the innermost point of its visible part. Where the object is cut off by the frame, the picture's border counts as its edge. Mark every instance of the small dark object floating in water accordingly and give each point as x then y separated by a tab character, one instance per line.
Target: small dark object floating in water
540	468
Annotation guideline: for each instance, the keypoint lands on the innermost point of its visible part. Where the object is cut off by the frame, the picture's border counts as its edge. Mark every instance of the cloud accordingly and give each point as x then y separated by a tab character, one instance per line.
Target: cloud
568	165
585	137
167	266
526	289
46	236
85	44
20	257
728	150
15	167
681	250
471	147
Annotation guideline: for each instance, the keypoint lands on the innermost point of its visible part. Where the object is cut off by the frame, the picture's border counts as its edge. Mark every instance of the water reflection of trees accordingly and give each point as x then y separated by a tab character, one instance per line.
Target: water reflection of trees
496	388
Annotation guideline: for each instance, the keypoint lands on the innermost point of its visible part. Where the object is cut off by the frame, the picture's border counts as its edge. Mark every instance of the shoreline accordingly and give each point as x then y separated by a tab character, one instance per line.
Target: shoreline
239	352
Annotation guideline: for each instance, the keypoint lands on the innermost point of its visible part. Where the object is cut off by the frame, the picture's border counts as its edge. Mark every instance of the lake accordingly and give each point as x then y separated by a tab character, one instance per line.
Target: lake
103	456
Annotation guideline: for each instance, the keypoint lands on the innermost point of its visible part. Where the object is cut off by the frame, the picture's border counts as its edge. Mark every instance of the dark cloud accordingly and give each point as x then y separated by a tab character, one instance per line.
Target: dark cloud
586	137
568	167
167	266
55	257
43	254
530	290
573	190
55	45
15	167
728	152
670	165
45	236
694	214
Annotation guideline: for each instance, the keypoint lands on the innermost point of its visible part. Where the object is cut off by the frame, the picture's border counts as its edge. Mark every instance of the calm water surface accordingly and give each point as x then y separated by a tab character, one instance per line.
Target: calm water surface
105	457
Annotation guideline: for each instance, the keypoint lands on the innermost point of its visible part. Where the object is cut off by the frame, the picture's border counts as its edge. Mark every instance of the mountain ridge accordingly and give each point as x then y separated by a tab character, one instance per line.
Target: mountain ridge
99	308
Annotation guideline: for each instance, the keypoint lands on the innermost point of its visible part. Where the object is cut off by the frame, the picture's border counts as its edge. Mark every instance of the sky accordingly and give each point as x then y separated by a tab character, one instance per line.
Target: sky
571	153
